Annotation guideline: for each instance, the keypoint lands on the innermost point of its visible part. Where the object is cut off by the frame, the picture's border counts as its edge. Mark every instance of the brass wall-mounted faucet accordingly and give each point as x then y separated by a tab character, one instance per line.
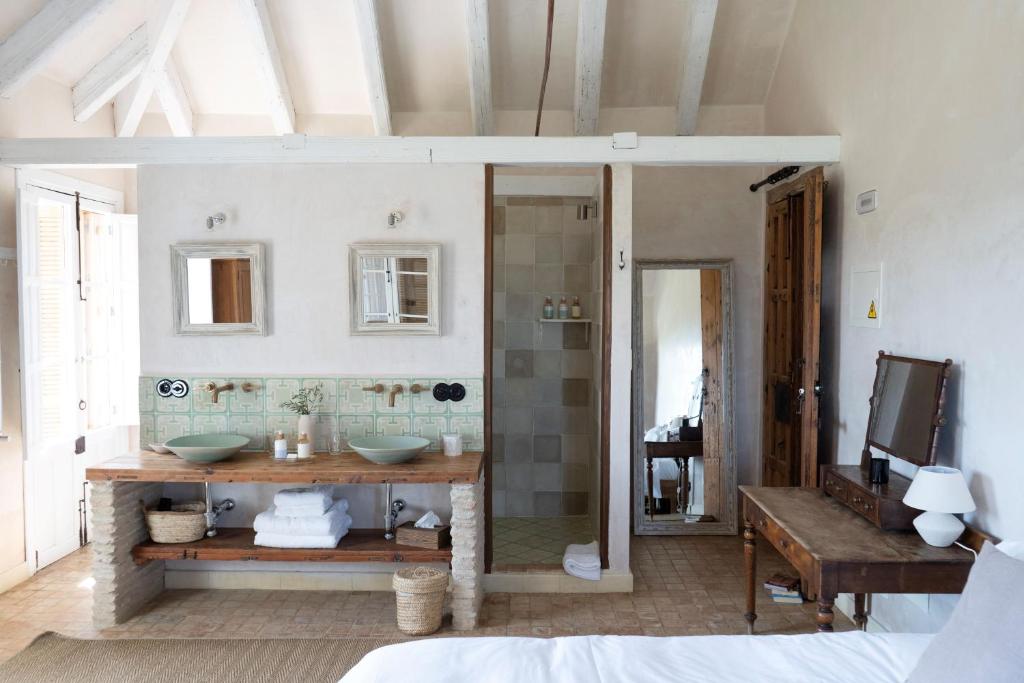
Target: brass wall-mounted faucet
395	390
230	386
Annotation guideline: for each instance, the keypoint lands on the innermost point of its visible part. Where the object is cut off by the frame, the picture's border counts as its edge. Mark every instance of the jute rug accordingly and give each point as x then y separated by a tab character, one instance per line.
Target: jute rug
52	657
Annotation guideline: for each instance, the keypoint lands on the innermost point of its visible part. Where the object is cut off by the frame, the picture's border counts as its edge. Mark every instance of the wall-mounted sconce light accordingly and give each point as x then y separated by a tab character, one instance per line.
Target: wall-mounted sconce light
214	220
394	218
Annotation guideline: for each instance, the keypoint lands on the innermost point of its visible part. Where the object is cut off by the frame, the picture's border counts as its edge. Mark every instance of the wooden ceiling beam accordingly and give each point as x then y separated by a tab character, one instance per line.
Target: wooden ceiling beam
268	57
174	100
373	63
695	64
161	32
478	33
589	63
29	49
110	75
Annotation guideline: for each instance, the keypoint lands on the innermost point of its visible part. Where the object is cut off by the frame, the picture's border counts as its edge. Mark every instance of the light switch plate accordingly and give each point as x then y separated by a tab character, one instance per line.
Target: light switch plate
625	141
867	201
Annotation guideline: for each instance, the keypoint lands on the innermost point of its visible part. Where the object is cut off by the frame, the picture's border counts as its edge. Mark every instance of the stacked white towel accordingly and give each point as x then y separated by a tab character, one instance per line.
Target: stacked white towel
583	561
303	518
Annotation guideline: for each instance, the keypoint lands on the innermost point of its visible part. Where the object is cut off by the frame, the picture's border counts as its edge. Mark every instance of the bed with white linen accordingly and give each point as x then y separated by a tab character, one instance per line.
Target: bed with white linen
855	656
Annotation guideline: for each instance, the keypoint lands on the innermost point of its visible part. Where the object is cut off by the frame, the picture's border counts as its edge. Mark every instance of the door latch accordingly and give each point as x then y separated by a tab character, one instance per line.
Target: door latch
801	396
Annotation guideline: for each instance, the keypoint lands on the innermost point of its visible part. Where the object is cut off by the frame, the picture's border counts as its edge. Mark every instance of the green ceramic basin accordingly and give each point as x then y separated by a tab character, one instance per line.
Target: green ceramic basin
388	450
204	448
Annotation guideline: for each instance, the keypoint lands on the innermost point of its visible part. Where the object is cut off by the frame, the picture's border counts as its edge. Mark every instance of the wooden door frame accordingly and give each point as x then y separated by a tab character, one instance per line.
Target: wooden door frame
810	185
726	523
606	359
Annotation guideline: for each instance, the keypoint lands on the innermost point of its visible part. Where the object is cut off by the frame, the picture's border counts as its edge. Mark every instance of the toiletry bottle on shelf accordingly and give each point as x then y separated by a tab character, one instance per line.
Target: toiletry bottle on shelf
563	309
280	446
549	308
577	312
305	448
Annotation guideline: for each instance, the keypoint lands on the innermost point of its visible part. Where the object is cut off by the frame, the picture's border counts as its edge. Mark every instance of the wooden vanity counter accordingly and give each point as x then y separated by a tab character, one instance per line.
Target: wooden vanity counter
261	468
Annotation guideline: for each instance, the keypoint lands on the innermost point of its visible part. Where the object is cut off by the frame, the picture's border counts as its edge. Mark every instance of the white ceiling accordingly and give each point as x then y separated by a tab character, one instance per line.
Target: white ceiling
425	57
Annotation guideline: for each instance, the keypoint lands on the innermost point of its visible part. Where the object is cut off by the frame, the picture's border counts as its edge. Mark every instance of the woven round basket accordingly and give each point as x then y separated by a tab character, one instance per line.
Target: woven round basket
183	523
419	593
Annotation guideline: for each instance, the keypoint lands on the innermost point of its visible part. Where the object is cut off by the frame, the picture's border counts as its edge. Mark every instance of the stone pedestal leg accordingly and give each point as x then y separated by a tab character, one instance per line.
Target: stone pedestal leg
122	587
467	554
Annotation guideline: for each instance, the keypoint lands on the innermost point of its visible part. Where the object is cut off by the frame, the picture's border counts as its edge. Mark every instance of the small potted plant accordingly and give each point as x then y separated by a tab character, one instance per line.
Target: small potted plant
304	403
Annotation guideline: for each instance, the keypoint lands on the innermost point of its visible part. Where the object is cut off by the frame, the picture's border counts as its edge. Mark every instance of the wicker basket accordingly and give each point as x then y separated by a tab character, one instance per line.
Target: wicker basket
183	523
419	593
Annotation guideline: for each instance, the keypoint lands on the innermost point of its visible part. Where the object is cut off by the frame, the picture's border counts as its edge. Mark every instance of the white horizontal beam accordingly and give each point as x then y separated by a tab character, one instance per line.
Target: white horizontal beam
589	63
478	33
695	64
268	61
27	51
174	100
110	75
373	64
540	151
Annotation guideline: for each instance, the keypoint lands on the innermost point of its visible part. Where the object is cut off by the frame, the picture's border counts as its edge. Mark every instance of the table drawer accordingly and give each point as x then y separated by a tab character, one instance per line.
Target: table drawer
783	542
835	486
863	503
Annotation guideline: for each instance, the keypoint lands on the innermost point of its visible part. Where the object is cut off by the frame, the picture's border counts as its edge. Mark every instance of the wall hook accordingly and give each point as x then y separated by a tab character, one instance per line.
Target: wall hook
622	261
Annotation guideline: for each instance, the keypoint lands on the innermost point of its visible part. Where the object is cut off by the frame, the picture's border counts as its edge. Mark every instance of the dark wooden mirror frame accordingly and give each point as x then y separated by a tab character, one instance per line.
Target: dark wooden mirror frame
938	419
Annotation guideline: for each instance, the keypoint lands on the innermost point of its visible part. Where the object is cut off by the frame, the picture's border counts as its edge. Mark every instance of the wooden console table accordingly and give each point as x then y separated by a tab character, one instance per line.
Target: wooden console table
675	450
129	568
835	551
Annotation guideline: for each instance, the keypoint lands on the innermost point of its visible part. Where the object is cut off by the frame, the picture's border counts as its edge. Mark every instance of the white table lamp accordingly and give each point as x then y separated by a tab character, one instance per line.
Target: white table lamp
940	492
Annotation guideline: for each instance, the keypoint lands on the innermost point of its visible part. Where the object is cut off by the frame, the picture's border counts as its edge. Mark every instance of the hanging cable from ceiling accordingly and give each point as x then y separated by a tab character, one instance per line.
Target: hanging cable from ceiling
547	65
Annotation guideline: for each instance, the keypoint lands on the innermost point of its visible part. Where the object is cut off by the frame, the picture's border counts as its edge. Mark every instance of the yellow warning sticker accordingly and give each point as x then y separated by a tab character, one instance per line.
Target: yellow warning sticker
872	311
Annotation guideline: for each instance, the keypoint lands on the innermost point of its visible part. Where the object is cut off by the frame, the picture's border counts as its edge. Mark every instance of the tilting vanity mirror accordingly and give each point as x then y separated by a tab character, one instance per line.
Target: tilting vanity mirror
395	288
218	288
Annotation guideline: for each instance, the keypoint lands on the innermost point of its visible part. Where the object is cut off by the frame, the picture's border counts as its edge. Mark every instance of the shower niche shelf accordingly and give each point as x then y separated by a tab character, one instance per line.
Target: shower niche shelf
564	321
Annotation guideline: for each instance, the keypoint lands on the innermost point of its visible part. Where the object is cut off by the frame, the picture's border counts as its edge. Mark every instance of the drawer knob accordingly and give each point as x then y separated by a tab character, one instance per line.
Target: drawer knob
784	543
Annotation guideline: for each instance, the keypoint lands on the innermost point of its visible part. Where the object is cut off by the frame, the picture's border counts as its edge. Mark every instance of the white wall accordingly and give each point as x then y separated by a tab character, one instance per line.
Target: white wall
928	97
672	343
708	213
307	215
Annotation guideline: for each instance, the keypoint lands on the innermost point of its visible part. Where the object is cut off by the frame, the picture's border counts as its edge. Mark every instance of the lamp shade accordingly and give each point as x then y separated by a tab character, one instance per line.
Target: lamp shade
939	489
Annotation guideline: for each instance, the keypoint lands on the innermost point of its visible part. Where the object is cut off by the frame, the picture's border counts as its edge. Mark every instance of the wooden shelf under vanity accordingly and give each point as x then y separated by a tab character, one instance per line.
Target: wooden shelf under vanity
359	545
261	468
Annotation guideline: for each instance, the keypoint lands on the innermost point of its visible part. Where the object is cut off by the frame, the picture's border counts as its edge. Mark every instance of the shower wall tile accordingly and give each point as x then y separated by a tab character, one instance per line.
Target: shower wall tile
541	396
346	408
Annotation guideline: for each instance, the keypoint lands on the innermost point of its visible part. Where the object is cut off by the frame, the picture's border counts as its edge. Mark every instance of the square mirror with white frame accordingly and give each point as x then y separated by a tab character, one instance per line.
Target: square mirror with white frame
218	288
395	289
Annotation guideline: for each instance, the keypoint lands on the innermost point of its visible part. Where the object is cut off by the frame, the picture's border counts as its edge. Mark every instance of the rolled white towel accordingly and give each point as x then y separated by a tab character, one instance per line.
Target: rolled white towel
270	540
300	501
583	561
271	522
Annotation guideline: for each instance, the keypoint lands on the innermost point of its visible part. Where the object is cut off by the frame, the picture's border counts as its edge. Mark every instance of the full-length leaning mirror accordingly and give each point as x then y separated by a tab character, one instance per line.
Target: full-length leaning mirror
395	288
218	288
684	471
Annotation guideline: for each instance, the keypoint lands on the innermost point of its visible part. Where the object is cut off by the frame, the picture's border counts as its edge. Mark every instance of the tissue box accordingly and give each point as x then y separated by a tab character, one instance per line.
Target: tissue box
434	539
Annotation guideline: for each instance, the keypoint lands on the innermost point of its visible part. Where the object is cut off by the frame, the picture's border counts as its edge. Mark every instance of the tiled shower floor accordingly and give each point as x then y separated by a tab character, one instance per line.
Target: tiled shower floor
537	540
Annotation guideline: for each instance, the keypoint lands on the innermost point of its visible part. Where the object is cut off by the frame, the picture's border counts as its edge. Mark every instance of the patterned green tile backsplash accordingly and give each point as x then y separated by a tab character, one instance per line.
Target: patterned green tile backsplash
346	408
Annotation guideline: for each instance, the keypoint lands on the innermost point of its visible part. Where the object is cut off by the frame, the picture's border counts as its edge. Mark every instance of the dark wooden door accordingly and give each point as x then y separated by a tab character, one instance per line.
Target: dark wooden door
792	322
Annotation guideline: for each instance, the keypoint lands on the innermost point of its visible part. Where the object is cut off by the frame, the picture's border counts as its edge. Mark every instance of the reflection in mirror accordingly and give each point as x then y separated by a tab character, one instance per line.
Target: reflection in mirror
904	407
679	342
218	288
395	288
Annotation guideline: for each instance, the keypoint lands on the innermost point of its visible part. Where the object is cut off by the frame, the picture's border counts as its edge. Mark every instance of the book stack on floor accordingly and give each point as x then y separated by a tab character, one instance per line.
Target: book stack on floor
784	589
